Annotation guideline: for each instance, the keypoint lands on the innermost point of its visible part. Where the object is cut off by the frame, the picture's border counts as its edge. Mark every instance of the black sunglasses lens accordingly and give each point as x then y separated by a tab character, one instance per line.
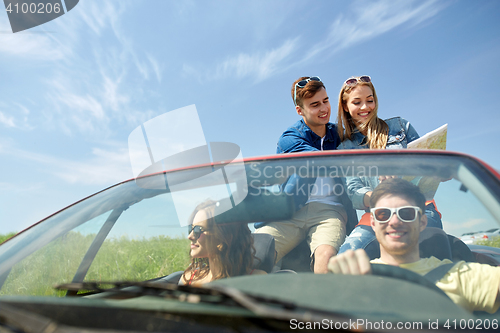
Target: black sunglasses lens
382	214
407	214
365	79
196	230
302	84
350	82
315	78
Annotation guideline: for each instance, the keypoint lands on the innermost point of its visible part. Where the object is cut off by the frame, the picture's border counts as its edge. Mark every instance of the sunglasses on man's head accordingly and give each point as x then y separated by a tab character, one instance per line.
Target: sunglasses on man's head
405	214
353	81
197	230
302	84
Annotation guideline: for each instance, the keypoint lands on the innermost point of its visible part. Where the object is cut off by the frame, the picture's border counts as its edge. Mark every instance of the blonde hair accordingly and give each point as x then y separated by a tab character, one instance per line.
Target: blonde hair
375	128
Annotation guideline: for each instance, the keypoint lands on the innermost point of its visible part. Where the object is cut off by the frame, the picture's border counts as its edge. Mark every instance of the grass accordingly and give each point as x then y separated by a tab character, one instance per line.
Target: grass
120	259
494	242
3	238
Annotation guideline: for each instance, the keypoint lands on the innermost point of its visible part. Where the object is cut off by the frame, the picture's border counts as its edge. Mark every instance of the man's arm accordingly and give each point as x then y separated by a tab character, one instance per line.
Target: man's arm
292	141
350	262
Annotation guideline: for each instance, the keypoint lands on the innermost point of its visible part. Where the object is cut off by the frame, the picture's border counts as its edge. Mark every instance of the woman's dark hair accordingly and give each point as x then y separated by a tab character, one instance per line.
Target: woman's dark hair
230	245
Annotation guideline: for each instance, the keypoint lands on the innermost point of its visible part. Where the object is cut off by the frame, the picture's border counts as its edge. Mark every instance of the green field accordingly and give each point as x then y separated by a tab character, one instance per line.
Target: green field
494	242
120	259
3	238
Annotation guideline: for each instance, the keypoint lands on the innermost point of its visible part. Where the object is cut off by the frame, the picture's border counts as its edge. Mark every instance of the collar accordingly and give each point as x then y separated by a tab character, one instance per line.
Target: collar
329	136
358	138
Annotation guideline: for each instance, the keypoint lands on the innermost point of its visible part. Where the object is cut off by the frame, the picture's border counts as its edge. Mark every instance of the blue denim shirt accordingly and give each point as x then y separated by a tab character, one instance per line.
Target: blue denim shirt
401	132
300	137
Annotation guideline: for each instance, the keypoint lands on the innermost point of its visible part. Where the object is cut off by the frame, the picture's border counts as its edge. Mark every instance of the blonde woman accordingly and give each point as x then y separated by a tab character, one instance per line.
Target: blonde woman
359	127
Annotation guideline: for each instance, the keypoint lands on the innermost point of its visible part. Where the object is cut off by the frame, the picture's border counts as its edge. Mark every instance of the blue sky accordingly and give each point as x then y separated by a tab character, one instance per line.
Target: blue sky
73	89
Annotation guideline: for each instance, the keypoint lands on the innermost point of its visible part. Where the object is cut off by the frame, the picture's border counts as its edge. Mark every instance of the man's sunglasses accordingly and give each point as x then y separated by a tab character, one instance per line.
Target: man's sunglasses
302	84
197	230
405	214
353	81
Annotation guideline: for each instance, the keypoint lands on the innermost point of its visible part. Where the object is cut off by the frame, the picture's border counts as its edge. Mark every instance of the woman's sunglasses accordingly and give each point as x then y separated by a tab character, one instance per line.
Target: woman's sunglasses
405	214
302	84
353	81
197	230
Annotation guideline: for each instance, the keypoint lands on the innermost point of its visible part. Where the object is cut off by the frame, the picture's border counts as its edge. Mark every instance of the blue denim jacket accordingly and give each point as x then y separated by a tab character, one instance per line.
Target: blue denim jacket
401	132
300	137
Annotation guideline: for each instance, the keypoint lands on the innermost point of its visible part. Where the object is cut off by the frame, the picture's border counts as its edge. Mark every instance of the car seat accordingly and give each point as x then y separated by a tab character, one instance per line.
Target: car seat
265	254
298	259
460	250
433	242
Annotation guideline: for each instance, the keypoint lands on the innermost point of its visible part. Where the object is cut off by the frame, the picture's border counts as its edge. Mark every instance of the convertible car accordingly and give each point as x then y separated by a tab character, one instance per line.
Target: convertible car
112	261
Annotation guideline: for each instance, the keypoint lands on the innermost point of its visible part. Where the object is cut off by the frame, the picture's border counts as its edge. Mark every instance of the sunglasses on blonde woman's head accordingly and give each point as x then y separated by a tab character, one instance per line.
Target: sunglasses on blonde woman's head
354	81
197	230
405	214
302	84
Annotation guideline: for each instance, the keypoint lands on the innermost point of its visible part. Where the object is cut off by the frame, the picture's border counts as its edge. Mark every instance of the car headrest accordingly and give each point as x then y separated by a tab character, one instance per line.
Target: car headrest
432	242
459	250
264	252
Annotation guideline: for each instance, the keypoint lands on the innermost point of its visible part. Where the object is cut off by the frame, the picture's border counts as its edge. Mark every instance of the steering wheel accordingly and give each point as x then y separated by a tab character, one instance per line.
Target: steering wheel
404	274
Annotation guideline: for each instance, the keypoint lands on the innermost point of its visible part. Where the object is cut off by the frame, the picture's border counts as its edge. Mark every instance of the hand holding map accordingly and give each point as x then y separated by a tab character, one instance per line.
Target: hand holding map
432	140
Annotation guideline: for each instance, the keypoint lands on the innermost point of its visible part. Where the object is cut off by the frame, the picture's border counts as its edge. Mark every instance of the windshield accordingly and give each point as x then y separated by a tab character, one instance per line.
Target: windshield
136	232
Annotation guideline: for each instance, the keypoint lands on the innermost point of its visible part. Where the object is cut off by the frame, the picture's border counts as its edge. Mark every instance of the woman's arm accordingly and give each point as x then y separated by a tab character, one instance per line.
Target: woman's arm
411	133
357	189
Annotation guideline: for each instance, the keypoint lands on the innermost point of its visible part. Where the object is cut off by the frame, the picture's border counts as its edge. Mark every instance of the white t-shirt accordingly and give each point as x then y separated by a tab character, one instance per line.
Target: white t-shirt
473	286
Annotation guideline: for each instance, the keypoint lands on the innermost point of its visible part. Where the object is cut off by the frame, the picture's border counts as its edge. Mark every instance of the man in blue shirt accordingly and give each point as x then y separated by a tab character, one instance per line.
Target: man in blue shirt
321	217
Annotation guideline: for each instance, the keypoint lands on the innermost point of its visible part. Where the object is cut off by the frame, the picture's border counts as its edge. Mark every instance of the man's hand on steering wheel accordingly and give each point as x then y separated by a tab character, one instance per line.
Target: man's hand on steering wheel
350	262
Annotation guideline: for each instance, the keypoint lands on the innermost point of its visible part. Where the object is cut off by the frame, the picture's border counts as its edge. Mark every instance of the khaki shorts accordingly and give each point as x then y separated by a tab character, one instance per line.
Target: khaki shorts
320	223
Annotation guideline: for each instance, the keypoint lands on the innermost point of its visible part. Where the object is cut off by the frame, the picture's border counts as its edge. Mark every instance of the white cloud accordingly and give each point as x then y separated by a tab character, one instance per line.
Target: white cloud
104	167
157	68
7	120
15	116
368	20
372	19
96	89
98	15
111	94
70	109
259	65
11	188
40	46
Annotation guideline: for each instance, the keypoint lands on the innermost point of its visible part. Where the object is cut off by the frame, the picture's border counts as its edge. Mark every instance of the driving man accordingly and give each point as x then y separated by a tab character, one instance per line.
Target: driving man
397	219
323	211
